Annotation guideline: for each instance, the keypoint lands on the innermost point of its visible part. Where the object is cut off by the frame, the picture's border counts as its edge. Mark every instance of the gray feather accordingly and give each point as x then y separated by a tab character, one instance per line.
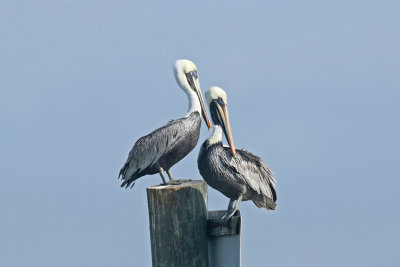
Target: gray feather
163	147
245	174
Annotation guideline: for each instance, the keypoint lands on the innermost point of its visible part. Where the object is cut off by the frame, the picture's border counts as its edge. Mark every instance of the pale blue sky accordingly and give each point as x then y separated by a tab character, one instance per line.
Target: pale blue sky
313	88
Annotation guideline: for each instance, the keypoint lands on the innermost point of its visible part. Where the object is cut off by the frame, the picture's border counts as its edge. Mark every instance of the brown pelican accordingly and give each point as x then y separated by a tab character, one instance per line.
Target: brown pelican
162	148
236	173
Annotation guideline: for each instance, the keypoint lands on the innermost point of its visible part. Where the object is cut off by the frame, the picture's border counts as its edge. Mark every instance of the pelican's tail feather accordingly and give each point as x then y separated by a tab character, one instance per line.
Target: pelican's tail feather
266	203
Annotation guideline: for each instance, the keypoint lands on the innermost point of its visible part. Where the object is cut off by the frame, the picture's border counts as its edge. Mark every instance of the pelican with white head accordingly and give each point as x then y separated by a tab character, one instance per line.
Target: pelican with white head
238	174
164	147
187	77
218	103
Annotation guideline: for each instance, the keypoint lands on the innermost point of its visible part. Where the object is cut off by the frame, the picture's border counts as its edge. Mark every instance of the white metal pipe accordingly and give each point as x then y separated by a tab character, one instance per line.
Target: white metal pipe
224	243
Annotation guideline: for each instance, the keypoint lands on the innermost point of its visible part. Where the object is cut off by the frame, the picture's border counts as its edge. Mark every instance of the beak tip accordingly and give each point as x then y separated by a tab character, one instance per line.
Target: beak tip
208	125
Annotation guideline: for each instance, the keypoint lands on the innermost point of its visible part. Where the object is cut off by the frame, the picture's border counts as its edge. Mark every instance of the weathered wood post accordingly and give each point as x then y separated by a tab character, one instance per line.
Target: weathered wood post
178	224
224	240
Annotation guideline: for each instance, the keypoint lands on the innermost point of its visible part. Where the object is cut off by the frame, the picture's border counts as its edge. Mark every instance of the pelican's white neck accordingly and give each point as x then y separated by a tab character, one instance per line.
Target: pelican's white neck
216	135
194	102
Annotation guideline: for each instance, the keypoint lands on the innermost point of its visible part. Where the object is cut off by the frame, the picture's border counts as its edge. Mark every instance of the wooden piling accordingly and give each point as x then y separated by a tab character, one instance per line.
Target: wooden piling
178	224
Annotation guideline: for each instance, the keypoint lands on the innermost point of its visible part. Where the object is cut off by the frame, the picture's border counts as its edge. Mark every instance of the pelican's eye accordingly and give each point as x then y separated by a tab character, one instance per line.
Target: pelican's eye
194	74
191	76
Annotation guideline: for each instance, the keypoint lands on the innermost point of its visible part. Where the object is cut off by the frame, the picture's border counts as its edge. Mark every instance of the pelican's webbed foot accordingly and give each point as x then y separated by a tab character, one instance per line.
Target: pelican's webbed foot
227	216
177	182
184	180
231	211
172	181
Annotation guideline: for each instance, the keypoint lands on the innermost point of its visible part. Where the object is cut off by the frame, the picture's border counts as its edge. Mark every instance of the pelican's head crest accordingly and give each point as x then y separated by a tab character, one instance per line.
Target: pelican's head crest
186	74
184	66
216	92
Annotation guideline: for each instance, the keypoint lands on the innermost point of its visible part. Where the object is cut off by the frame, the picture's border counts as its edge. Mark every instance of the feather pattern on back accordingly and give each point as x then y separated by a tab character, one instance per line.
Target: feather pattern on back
163	147
245	174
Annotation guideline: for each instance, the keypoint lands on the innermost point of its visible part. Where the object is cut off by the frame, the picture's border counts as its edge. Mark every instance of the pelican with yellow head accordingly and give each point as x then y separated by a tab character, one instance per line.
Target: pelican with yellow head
236	173
164	147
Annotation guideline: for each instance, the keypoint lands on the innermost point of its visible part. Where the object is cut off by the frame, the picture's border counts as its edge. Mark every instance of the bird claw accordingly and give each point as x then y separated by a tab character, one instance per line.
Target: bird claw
227	216
177	182
184	180
174	182
224	220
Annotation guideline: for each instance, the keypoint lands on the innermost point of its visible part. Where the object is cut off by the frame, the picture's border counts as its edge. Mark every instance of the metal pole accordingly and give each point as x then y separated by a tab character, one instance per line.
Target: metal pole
178	224
224	240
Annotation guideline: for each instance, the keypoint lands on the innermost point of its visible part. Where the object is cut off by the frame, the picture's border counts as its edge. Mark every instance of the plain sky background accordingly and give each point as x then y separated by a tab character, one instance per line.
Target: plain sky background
313	88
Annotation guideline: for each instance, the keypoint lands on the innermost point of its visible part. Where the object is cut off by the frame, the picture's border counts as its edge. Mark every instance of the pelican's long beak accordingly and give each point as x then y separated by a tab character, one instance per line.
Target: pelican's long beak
223	112
203	108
